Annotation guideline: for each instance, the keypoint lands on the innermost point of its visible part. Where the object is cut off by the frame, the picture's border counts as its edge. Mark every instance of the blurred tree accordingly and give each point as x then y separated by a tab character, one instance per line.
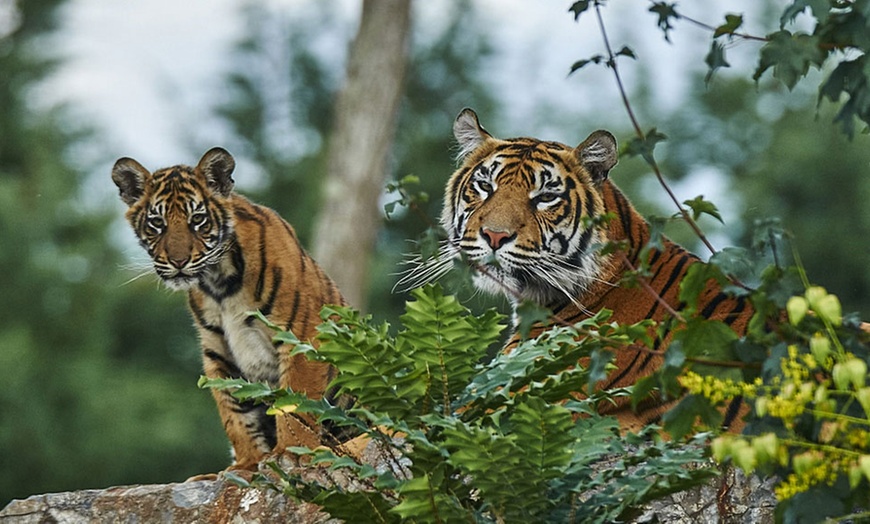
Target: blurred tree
91	393
441	79
279	105
365	122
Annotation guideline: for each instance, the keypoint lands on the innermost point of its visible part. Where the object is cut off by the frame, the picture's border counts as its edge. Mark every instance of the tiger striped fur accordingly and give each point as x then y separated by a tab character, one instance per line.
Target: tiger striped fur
233	257
521	211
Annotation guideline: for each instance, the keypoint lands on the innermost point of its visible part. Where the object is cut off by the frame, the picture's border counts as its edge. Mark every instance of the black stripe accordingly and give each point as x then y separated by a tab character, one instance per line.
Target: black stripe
231	370
623	373
266	308
732	412
674	277
227	285
293	311
199	317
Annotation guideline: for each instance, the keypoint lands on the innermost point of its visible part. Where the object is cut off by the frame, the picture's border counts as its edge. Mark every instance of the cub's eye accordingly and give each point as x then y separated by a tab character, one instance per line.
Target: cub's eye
483	187
198	219
156	223
546	198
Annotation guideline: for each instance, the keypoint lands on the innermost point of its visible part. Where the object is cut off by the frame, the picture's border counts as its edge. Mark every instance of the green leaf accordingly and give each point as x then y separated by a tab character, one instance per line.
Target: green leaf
850	78
626	51
666	12
699	207
820	9
695	283
644	147
731	25
529	315
680	419
790	56
715	60
580	64
580	7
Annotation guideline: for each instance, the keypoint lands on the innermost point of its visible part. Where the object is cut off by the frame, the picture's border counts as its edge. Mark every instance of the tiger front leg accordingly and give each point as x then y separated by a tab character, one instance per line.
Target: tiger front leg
303	376
251	431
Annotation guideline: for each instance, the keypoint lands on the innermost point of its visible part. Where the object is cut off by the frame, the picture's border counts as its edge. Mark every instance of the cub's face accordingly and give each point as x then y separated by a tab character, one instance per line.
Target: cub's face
520	211
180	214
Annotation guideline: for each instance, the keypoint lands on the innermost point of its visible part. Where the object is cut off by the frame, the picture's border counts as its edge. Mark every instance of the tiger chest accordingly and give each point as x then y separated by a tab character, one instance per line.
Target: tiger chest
246	342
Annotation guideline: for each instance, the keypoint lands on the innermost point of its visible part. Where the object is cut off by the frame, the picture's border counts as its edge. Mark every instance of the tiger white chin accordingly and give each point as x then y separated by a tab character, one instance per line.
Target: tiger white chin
496	281
179	281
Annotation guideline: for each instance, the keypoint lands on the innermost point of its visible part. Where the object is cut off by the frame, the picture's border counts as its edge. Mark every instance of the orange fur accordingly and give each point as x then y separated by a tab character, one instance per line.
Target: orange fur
521	210
233	257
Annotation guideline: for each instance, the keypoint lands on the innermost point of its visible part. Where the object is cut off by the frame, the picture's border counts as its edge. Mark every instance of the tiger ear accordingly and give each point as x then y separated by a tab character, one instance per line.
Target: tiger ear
598	154
130	177
468	132
217	165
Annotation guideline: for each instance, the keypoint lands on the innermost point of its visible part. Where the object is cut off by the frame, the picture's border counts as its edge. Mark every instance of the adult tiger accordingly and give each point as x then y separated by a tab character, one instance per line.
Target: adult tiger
523	212
233	257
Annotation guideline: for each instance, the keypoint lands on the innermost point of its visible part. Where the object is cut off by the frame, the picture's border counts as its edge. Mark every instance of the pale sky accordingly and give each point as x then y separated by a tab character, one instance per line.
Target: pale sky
146	69
149	73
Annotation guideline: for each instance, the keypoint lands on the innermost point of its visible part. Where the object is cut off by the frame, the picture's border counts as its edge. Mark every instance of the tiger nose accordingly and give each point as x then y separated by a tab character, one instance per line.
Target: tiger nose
179	261
496	239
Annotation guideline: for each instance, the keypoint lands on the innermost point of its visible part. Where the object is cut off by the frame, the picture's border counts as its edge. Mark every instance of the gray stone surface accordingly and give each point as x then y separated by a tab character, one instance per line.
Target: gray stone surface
731	498
211	501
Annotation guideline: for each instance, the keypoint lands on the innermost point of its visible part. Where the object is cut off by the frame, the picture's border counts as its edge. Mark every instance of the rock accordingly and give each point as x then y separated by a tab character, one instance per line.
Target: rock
732	498
213	501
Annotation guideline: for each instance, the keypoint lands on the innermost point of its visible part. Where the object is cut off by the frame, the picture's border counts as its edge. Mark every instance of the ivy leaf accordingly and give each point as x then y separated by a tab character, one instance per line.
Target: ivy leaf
665	12
731	25
680	419
645	146
820	8
529	314
580	7
790	56
626	51
715	59
597	59
700	207
850	77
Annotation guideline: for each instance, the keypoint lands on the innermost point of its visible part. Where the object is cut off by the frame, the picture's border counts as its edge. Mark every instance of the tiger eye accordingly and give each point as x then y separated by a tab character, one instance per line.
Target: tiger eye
156	222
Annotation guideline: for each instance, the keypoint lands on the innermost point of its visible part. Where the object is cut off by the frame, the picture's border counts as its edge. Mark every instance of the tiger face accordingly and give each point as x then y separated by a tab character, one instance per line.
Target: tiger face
520	211
180	215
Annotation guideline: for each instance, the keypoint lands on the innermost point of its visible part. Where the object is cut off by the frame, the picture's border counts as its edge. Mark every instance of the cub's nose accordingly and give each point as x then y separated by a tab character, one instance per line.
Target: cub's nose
496	239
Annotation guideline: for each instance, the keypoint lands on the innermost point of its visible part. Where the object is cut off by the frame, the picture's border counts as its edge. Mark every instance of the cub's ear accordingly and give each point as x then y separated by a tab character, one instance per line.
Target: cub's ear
468	132
217	164
598	154
130	177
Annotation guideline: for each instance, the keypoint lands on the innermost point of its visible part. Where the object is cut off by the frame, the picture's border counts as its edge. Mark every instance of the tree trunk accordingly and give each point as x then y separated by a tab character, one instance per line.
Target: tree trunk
365	122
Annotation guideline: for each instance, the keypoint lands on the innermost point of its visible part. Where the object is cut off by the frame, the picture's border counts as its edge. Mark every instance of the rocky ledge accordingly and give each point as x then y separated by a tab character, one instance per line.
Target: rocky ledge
731	498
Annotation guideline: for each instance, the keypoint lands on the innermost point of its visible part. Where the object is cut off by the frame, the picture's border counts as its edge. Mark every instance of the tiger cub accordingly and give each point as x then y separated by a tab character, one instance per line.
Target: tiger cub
520	211
233	257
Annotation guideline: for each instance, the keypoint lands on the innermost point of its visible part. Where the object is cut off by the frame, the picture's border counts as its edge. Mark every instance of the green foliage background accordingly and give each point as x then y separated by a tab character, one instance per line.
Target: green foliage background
98	376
